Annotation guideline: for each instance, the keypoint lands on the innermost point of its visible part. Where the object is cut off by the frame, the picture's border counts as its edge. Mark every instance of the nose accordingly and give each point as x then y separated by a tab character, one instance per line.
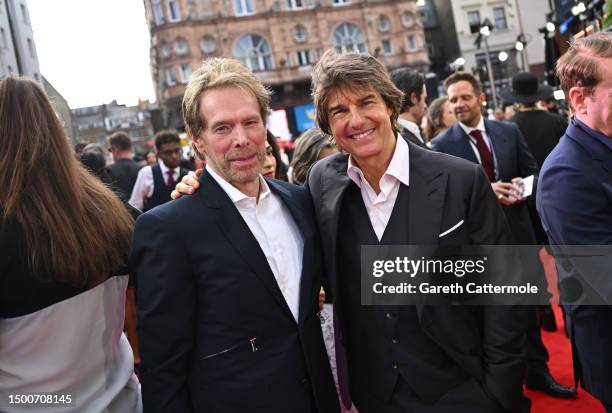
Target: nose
240	136
356	119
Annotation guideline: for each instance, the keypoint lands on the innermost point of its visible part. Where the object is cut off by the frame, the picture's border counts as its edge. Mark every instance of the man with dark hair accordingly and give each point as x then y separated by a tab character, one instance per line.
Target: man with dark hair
412	84
155	183
499	147
575	203
385	190
124	171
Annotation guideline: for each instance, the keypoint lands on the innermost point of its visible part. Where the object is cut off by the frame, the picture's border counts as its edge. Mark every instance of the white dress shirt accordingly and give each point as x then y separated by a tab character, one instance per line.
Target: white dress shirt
278	236
143	188
412	127
486	138
380	206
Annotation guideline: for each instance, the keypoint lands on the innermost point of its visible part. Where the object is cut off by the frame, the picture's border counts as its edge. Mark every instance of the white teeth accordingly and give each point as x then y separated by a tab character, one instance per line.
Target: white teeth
362	135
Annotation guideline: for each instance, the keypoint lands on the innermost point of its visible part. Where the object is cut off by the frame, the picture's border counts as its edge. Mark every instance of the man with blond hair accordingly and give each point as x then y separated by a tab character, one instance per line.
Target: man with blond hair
575	203
228	279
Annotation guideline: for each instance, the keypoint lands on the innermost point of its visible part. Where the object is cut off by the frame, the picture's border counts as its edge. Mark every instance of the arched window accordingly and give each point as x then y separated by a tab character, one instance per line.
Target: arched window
254	51
349	38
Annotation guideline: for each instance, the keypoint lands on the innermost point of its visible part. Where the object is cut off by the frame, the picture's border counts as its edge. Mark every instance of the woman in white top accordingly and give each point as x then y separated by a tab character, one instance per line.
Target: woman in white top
64	239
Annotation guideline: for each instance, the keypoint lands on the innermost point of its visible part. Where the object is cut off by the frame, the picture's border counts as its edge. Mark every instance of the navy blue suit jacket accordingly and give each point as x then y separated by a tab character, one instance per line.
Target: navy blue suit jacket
205	290
513	160
575	204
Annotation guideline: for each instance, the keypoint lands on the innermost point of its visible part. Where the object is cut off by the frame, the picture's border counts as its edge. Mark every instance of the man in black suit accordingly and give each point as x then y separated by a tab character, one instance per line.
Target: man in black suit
385	190
124	171
499	147
229	278
412	85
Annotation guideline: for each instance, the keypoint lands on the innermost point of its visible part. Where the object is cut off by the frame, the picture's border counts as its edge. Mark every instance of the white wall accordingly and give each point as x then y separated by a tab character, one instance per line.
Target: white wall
22	30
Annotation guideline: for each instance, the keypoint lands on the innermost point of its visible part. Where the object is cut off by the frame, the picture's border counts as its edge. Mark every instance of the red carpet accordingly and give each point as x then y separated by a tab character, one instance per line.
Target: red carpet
560	363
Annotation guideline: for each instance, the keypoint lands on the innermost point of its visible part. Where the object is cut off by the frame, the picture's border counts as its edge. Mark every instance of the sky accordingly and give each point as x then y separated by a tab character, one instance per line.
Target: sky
93	51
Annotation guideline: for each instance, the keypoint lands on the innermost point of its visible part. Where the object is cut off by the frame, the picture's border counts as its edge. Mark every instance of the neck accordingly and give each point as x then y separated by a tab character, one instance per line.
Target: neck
123	155
474	123
409	117
374	169
251	188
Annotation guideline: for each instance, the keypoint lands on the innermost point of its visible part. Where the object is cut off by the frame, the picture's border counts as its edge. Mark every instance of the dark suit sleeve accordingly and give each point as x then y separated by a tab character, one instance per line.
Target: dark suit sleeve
166	306
526	162
576	210
503	326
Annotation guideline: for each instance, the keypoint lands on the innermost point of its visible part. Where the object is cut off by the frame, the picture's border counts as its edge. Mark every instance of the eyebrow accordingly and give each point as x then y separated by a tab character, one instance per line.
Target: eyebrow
361	100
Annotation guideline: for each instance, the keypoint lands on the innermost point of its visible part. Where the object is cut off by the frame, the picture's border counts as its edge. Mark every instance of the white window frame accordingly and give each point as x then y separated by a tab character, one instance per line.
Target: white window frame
293	4
241	7
410	17
208	38
254	52
170	78
304	57
469	22
296	38
185	68
390	43
178	11
383	24
354	46
158	12
505	17
177	46
336	3
415	41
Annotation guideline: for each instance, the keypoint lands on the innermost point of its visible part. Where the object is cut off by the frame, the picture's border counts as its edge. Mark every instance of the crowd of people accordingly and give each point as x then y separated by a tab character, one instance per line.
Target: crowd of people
244	294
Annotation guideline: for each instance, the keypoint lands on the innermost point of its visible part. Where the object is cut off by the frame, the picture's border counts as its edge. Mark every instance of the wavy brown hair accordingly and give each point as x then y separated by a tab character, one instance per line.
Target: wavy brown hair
75	229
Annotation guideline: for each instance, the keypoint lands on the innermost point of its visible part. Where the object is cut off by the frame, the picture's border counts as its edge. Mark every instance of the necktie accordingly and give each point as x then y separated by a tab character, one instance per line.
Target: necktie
170	181
486	157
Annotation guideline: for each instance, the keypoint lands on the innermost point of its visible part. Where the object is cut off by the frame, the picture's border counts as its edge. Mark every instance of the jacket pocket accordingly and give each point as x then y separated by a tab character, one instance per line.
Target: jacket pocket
250	343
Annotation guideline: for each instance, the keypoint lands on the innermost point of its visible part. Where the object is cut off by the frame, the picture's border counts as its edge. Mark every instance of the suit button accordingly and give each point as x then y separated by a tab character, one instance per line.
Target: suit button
390	316
395	366
304	382
395	340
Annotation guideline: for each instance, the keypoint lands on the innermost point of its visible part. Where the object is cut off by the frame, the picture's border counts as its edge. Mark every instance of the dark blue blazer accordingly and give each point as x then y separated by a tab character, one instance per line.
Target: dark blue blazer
575	204
205	290
513	160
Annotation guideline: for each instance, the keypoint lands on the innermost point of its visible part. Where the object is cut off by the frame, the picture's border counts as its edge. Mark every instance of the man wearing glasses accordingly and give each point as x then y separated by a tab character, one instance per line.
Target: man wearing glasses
155	183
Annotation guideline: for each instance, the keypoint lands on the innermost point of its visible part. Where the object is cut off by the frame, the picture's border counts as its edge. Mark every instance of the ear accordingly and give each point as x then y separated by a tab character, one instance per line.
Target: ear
482	98
577	100
413	98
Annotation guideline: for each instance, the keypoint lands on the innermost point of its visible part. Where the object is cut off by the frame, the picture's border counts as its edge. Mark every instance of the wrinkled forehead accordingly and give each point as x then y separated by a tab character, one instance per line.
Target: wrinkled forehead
348	93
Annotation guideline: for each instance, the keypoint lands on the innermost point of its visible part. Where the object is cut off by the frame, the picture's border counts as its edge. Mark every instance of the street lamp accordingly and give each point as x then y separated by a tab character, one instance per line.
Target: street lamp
550	26
460	61
502	56
485	32
519	46
578	8
420	3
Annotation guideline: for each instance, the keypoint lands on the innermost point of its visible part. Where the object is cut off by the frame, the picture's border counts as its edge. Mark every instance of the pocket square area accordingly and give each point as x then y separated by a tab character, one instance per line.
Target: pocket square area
451	229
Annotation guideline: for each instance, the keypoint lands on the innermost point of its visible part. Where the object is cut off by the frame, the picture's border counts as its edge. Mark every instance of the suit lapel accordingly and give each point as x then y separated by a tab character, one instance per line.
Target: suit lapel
239	235
499	141
427	189
334	183
462	144
307	277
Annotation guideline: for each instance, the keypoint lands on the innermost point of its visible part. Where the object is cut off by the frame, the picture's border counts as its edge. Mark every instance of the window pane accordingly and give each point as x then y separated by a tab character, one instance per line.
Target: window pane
500	18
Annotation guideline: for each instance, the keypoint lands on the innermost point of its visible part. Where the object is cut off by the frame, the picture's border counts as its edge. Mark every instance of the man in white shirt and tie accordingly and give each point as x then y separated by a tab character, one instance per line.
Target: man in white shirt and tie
155	183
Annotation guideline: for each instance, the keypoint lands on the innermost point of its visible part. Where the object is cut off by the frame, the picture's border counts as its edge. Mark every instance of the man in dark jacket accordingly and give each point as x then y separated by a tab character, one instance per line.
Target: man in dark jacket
124	171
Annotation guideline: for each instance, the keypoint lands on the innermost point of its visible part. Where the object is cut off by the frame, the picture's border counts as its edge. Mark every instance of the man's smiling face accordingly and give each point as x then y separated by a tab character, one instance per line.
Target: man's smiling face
360	121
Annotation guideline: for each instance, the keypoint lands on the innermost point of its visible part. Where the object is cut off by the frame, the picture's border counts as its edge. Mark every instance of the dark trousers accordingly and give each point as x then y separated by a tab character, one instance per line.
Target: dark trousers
468	397
536	352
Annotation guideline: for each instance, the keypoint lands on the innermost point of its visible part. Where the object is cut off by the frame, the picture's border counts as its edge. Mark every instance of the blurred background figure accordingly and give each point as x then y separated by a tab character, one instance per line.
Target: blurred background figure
310	146
150	158
440	117
64	240
412	84
274	167
155	183
509	110
96	164
78	148
124	171
499	115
